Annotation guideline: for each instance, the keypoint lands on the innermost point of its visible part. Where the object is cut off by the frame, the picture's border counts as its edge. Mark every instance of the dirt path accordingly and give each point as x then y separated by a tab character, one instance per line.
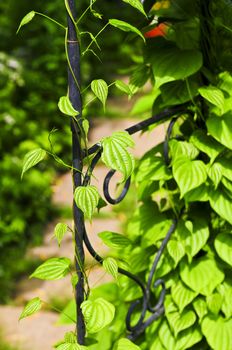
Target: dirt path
39	331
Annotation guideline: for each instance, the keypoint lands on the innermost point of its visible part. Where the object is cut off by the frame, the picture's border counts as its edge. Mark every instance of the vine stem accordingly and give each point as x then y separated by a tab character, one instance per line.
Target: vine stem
73	53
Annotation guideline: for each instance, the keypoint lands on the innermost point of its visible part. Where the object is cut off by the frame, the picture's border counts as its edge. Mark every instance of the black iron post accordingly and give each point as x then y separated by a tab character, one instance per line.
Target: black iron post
73	48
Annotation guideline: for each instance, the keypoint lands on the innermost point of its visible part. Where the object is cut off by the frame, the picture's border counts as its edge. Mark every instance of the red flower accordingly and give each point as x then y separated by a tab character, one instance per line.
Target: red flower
160	30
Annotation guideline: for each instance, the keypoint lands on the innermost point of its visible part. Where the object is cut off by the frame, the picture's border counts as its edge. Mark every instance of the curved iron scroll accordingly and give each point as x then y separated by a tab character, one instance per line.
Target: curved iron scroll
145	304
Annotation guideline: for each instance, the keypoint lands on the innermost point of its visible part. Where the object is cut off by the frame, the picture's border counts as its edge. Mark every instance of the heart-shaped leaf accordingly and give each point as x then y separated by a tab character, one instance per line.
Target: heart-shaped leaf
100	89
52	269
115	154
202	273
182	295
31	307
98	314
217	332
189	174
223	246
86	198
126	27
32	158
66	107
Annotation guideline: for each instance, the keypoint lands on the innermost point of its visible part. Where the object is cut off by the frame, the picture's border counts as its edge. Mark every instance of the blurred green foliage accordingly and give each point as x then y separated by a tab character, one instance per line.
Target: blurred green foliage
32	78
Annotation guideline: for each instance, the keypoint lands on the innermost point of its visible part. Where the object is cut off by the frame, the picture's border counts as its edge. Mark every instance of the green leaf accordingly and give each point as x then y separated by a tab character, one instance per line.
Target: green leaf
225	291
182	149
213	95
200	307
223	246
153	168
194	241
100	89
202	276
123	87
221	129
60	231
68	314
126	27
178	322
186	339
126	344
115	154
86	198
31	307
215	173
189	174
226	165
136	4
114	240
97	314
214	303
26	19
52	269
111	266
206	144
69	343
176	250
217	332
182	295
170	63
32	158
221	204
66	107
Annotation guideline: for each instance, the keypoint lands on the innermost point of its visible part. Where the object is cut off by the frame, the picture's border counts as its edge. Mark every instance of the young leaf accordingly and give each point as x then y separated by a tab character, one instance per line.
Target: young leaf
111	266
31	307
217	332
52	269
100	89
126	27
60	231
189	174
114	240
126	344
115	154
32	158
213	95
86	198
136	4
97	314
66	107
26	19
223	246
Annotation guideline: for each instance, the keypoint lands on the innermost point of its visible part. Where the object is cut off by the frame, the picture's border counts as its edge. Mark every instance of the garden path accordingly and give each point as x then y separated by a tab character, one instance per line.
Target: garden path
39	331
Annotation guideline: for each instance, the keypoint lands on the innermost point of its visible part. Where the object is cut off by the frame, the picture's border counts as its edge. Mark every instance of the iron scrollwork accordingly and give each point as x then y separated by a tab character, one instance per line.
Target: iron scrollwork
145	304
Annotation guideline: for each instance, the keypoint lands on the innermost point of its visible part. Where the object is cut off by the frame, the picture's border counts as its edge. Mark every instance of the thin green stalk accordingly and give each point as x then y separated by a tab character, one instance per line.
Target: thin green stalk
51	19
91	43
